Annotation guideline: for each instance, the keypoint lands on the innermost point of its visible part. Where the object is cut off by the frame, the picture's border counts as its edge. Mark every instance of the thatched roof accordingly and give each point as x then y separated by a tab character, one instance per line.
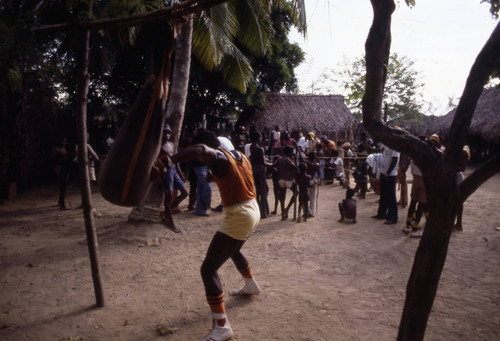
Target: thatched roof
324	113
486	120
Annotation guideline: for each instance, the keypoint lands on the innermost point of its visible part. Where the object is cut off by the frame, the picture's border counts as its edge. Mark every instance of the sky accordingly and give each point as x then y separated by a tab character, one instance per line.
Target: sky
441	37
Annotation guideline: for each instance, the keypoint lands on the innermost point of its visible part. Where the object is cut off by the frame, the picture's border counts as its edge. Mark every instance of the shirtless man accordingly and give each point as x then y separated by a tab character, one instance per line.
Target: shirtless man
304	182
313	170
287	171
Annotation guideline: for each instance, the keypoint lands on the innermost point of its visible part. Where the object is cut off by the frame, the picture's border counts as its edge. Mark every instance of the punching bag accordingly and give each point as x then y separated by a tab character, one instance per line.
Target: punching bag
125	177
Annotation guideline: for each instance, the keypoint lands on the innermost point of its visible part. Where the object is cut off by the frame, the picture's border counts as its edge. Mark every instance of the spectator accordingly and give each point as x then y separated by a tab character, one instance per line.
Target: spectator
259	164
388	206
62	165
274	141
287	170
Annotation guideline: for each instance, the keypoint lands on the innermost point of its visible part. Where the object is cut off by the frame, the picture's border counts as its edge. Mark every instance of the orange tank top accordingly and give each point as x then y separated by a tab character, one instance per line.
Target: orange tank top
237	185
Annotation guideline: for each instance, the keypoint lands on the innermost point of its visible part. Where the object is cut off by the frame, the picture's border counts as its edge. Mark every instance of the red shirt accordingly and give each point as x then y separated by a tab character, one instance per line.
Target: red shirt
237	185
329	146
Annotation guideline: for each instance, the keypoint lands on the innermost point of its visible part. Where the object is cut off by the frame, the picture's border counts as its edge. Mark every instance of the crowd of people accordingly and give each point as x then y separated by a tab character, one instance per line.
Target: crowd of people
296	167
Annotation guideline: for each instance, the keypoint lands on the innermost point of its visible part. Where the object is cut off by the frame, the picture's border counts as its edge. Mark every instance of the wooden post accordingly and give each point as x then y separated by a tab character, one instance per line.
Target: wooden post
82	58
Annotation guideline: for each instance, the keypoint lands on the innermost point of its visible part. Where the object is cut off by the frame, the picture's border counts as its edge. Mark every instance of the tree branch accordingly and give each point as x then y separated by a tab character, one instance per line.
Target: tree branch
377	48
486	62
478	177
178	10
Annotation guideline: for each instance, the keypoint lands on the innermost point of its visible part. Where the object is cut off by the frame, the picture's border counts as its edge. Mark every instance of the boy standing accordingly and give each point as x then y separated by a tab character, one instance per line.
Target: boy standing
304	182
313	170
171	180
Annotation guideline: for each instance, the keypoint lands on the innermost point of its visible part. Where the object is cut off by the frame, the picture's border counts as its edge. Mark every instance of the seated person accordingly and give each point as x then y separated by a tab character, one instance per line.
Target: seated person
347	207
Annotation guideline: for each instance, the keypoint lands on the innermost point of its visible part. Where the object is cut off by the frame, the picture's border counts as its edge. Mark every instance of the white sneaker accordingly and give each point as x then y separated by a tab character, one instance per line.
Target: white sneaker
251	288
406	229
219	333
416	233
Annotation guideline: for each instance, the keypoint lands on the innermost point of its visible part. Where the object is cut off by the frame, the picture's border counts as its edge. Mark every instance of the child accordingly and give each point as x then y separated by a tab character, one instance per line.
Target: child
338	165
276	185
347	207
313	171
304	182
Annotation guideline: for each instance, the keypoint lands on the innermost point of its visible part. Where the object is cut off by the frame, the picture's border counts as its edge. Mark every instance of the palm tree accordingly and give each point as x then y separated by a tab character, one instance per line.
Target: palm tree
180	79
214	37
217	30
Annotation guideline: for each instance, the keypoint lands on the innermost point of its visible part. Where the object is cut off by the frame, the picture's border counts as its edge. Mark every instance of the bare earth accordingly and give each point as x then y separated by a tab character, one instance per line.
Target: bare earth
321	280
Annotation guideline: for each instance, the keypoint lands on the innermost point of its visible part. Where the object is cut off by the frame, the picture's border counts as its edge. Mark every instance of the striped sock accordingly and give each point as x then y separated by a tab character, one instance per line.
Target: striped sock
247	272
216	304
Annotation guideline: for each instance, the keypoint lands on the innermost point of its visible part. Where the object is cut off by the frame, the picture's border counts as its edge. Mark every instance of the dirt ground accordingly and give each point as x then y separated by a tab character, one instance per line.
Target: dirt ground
321	280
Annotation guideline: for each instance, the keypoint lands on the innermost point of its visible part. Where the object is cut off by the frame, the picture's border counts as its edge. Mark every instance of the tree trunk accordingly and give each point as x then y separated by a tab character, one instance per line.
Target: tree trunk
442	190
82	58
180	80
430	257
439	175
441	185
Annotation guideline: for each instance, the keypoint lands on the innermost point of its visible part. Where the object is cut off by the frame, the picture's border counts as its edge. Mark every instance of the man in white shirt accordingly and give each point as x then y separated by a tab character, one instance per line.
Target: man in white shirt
302	145
274	141
388	205
338	165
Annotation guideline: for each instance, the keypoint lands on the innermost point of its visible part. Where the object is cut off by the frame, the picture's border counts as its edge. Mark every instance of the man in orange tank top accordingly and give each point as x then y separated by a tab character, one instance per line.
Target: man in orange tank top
233	174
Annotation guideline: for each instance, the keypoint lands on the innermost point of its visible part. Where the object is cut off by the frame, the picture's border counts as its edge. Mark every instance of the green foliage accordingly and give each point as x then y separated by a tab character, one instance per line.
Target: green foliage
272	72
402	93
494	7
221	30
297	10
275	70
214	38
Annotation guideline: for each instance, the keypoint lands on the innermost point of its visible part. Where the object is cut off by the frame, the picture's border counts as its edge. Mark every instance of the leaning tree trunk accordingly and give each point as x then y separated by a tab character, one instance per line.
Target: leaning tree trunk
82	58
431	253
180	79
439	175
440	183
430	257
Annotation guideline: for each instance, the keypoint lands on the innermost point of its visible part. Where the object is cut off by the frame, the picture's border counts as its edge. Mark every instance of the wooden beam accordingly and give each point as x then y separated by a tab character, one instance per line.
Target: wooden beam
177	11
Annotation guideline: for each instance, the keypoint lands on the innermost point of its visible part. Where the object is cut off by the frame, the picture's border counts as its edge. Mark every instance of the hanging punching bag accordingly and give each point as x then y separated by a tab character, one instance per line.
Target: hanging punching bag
125	177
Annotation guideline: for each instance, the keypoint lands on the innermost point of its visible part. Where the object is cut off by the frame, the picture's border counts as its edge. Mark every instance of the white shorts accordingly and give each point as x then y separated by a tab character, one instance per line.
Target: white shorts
286	183
240	220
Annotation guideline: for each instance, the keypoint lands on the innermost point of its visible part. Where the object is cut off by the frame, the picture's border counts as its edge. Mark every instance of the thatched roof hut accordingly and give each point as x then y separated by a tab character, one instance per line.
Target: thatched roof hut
483	136
485	122
326	114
